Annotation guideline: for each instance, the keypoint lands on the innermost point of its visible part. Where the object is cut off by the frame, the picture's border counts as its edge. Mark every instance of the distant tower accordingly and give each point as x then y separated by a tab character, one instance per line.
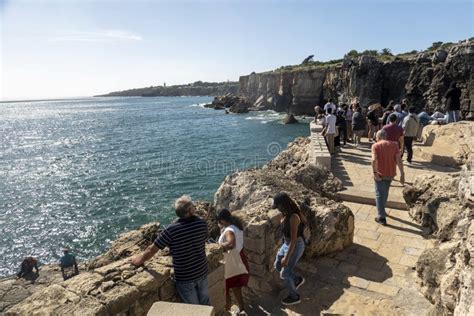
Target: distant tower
164	84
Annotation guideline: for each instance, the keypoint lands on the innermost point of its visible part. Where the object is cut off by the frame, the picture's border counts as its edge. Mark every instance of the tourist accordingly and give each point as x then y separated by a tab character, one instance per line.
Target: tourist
388	110
373	119
400	111
330	130
290	252
348	112
453	104
186	239
394	132
330	105
439	116
319	118
424	119
358	126
27	266
68	265
385	158
410	129
236	267
341	129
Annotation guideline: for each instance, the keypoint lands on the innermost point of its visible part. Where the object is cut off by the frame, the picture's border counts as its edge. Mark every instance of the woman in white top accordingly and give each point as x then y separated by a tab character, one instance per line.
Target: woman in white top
236	268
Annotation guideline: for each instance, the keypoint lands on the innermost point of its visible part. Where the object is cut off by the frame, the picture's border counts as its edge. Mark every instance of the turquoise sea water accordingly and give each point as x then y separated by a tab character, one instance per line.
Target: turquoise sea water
79	172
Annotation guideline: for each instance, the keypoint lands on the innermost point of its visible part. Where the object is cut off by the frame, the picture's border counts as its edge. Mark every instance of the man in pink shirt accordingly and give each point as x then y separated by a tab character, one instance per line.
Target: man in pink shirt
385	158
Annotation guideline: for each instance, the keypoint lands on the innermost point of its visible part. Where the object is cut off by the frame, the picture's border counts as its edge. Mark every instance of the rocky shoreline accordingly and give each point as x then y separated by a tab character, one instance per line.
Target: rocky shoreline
109	285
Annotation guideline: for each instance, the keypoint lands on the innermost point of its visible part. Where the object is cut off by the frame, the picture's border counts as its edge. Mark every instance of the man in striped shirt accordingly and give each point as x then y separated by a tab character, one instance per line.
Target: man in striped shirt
186	238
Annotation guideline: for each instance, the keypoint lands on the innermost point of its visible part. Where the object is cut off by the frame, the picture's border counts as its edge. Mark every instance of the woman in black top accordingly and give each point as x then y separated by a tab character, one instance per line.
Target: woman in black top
293	246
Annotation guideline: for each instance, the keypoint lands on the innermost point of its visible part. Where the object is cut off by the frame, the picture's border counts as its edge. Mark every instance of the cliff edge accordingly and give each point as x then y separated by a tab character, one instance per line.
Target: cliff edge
422	78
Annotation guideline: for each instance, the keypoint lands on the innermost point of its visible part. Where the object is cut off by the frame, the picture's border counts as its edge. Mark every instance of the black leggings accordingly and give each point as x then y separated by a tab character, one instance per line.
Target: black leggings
409	147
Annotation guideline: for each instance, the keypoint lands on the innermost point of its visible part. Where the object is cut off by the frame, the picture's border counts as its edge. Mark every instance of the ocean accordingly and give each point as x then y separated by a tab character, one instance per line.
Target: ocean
79	172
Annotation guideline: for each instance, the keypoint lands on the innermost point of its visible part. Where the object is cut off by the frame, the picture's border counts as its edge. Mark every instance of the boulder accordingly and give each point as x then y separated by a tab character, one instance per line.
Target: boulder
290	119
232	103
127	244
447	145
439	56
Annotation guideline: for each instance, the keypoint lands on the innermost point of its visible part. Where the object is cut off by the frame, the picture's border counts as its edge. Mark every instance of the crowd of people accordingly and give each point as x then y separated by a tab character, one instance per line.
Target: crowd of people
348	123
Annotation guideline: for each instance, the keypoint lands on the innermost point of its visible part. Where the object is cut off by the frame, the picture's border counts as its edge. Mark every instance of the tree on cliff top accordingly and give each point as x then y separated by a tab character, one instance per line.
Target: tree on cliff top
370	52
435	45
353	53
386	52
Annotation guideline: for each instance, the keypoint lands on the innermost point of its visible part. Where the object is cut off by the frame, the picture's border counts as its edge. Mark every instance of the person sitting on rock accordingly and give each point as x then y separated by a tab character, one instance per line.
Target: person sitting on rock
27	266
68	265
186	238
290	252
236	267
425	119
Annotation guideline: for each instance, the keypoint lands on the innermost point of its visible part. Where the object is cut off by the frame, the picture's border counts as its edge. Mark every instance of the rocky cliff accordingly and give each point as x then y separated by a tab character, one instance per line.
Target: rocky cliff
446	207
422	79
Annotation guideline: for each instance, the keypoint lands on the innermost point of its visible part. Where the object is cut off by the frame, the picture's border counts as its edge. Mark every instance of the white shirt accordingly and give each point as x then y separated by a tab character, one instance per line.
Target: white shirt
321	121
331	124
239	237
330	106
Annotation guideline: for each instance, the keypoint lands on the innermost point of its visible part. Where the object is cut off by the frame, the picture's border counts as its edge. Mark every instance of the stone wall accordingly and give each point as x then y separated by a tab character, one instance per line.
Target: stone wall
248	194
423	80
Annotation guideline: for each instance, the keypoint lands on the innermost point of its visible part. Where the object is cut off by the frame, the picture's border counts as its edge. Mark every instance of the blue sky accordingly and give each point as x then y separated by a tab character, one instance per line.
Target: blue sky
78	48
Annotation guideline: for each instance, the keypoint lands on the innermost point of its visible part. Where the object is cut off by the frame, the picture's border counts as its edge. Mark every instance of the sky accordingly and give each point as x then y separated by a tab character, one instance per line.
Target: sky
72	48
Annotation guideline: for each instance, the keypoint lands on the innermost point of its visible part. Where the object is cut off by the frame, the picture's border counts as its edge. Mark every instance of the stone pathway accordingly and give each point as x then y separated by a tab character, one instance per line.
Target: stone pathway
375	276
353	167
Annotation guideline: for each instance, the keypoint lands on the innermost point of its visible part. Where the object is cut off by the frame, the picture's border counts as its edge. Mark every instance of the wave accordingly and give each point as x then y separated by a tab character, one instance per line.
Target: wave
200	105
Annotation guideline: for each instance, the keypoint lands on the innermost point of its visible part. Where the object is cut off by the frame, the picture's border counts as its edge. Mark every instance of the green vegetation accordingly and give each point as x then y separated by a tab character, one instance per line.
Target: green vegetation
384	54
311	65
195	89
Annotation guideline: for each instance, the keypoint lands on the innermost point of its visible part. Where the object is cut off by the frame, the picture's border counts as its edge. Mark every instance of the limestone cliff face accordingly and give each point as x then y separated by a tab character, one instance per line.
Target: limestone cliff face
446	206
423	80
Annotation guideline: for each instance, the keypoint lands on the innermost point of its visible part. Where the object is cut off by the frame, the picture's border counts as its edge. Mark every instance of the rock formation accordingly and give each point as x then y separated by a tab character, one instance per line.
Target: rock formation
111	285
290	119
446	206
422	79
447	145
330	225
232	103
